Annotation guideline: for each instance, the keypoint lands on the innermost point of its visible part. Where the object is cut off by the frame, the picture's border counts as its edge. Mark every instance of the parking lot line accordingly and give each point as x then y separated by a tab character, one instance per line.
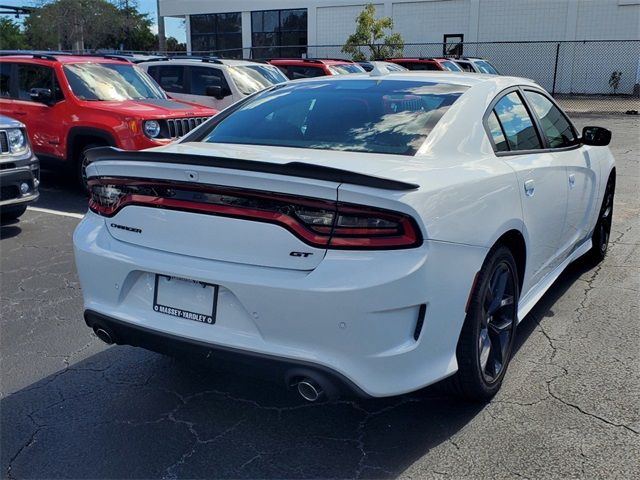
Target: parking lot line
56	212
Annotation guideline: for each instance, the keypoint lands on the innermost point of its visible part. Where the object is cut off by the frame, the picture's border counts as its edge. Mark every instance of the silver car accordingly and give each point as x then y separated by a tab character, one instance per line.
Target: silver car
19	169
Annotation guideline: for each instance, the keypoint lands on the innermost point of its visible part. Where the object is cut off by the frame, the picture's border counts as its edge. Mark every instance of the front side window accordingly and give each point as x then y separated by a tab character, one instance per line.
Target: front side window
391	116
203	77
36	76
516	123
555	126
5	80
111	82
169	77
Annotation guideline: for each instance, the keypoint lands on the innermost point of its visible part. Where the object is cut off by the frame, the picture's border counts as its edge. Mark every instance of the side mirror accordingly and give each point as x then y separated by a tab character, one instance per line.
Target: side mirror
596	136
217	92
42	95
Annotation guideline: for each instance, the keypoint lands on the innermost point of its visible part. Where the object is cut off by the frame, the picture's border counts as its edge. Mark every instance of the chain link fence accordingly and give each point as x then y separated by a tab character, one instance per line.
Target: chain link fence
585	77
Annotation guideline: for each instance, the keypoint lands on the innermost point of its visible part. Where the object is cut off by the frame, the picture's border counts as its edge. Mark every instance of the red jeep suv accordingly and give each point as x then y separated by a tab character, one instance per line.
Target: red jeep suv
295	68
73	103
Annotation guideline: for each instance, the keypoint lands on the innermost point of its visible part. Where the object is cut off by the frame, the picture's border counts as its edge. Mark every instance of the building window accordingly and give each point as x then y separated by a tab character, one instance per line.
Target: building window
452	45
219	33
279	33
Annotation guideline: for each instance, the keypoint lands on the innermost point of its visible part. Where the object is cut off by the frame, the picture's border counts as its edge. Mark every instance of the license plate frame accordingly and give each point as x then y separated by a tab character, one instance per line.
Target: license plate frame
186	284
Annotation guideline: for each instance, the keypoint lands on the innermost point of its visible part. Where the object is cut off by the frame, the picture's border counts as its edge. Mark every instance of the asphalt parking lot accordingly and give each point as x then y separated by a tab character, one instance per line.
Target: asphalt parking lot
72	407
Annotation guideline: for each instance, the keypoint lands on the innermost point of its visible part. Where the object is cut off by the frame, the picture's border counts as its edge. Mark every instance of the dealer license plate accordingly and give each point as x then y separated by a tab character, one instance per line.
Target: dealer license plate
185	298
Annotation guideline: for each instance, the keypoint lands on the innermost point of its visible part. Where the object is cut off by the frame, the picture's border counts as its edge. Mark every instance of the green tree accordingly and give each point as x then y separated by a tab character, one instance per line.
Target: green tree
174	46
11	38
89	25
370	33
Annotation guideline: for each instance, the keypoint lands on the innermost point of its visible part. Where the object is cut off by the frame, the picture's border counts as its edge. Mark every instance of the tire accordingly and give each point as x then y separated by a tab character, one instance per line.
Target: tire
81	166
11	213
486	340
602	231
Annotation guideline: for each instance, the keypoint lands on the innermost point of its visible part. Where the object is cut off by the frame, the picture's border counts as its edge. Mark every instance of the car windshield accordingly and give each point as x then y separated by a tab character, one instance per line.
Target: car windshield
449	65
390	116
486	67
111	81
344	68
253	78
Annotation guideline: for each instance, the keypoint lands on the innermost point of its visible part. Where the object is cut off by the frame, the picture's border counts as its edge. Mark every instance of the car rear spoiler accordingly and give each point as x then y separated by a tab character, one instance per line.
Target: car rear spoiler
291	169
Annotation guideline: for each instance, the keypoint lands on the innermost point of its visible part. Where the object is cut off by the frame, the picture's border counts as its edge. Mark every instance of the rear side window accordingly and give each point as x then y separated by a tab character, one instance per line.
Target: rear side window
5	80
496	133
390	116
486	67
555	126
421	66
295	72
36	76
517	123
203	77
169	77
466	66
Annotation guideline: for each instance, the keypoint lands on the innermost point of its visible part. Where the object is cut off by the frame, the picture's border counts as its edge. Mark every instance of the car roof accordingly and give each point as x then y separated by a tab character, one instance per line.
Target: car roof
326	61
62	58
466	79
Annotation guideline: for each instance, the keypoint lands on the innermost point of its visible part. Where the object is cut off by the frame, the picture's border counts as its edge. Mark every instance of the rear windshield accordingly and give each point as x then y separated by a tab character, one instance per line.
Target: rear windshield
111	81
389	116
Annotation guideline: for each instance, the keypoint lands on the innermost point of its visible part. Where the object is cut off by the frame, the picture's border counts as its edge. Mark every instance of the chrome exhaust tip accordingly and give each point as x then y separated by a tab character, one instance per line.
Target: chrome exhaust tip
103	335
309	390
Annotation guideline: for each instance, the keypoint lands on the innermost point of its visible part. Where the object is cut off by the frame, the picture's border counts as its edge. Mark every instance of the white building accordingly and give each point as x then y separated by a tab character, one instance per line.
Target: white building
254	27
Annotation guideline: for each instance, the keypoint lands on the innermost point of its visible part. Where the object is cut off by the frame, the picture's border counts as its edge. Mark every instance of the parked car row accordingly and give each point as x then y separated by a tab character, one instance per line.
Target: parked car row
72	103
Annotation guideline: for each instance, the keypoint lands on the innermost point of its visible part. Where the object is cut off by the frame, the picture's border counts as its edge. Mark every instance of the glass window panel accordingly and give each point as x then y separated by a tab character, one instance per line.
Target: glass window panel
256	22
271	21
555	125
517	124
393	117
497	134
229	23
33	76
5	80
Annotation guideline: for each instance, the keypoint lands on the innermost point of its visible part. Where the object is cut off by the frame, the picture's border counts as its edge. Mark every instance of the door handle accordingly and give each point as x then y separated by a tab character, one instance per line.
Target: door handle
572	180
529	188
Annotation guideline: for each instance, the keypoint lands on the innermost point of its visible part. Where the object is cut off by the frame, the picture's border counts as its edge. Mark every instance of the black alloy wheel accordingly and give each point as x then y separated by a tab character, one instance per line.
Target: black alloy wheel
487	337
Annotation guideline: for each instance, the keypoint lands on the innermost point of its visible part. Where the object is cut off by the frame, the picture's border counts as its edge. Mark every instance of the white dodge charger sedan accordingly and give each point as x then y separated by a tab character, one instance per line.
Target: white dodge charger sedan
370	233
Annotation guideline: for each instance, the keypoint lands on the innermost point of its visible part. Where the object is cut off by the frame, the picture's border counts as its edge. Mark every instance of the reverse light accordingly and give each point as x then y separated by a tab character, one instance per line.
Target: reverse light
152	128
319	223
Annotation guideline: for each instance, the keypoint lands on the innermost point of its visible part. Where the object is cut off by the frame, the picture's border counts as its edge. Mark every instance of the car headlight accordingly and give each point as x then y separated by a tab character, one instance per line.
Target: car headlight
17	140
152	128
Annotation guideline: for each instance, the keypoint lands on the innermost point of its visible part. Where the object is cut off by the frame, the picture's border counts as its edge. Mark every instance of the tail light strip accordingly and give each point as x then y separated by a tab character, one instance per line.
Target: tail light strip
319	223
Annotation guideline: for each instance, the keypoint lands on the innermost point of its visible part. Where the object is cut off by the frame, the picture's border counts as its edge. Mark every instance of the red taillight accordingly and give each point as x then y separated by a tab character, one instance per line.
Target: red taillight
320	223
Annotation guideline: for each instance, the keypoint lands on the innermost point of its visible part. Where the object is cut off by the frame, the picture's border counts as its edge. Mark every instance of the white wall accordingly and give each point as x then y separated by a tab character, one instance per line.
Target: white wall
583	68
425	22
335	24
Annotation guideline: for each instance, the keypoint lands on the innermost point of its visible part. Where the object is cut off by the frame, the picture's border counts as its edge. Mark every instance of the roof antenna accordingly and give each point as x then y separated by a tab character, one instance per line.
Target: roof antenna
379	70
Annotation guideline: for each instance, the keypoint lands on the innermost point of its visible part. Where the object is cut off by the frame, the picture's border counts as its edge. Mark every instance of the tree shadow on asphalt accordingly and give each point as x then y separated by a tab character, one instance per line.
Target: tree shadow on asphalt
128	413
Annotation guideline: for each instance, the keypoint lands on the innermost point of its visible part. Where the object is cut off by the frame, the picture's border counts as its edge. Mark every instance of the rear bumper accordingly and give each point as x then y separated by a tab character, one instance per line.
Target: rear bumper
353	318
124	333
11	179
